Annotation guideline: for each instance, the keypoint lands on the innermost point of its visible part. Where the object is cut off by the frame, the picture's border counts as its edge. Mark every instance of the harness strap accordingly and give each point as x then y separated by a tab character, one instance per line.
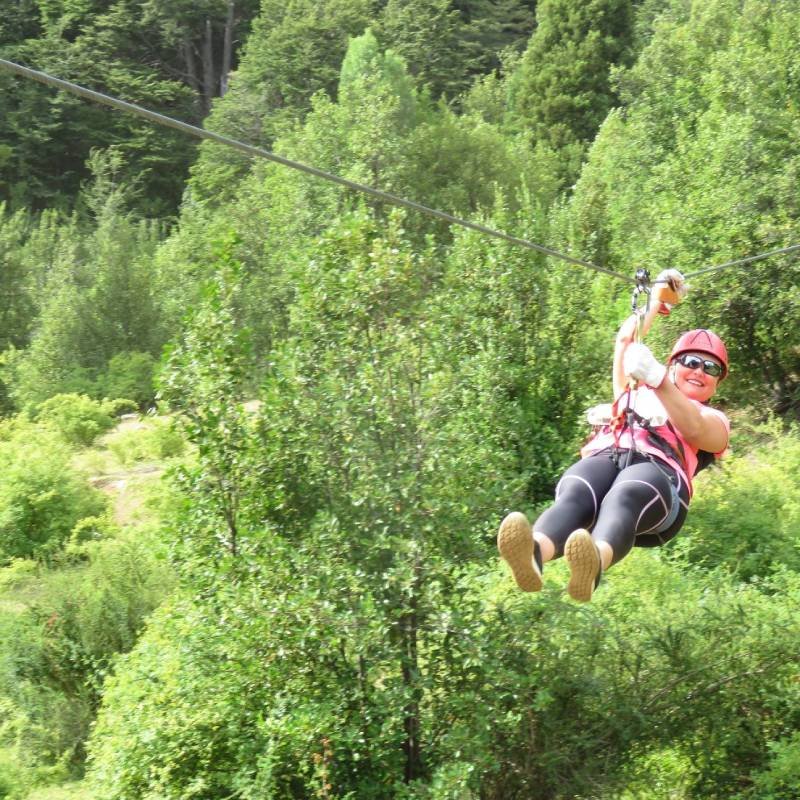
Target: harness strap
662	444
704	457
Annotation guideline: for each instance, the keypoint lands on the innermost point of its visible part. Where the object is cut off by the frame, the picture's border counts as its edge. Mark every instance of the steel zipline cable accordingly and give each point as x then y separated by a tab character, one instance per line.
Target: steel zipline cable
386	197
741	261
258	152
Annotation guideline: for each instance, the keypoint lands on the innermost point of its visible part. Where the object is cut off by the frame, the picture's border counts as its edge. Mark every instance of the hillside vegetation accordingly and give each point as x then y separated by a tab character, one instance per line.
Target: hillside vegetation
276	576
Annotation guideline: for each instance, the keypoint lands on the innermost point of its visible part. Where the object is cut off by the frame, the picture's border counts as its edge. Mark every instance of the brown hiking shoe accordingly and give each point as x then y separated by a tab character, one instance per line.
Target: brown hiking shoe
518	548
585	565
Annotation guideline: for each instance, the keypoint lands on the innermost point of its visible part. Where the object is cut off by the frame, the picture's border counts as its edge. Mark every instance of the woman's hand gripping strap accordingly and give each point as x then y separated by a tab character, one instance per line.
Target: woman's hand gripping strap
669	288
641	365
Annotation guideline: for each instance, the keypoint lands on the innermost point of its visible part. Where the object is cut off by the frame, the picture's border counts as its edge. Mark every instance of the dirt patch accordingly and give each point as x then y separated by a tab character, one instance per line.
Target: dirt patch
116	480
125	490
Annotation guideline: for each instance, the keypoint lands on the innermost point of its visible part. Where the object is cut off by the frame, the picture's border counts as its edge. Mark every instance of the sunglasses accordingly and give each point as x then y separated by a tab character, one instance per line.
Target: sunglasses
694	362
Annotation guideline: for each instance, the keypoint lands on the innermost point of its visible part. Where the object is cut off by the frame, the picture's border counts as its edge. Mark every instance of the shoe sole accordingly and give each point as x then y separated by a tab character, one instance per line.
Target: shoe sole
581	555
516	545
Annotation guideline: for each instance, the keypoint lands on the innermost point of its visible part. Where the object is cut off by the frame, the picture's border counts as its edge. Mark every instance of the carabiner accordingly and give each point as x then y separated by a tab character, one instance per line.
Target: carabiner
642	279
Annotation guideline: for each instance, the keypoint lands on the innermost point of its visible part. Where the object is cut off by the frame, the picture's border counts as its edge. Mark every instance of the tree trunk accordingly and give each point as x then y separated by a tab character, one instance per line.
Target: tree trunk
187	50
411	745
411	724
227	48
208	67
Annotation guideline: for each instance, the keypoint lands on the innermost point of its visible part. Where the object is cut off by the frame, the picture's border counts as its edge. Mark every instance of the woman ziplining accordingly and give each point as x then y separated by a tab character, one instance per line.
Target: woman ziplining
633	484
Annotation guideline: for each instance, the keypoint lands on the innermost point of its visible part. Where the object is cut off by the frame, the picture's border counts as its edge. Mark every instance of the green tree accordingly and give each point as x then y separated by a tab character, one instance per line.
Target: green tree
79	419
18	312
205	379
48	135
447	44
21	21
41	497
61	638
562	90
425	33
695	173
204	35
131	376
294	51
98	299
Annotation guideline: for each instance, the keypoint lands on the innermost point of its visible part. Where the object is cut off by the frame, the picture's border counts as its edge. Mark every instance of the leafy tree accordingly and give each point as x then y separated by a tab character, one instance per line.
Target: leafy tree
294	51
203	34
61	641
695	174
425	33
205	379
152	55
497	25
98	301
20	21
562	91
79	419
130	375
749	496
16	316
632	682
380	131
446	44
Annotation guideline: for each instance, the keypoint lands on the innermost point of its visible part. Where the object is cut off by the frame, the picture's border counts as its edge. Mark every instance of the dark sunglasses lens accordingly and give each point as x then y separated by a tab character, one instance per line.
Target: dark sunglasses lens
709	367
691	362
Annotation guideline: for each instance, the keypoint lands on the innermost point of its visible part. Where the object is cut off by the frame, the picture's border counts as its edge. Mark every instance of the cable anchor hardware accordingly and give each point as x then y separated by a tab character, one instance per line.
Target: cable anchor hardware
627	418
640	309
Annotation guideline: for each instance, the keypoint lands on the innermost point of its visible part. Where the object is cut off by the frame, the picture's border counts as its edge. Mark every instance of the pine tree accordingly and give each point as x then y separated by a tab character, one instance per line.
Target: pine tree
562	91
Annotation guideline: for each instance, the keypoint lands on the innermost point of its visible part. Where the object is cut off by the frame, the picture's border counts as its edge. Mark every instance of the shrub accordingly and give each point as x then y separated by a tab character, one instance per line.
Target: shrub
118	406
781	779
41	496
18	571
56	652
745	515
130	375
78	418
156	441
279	694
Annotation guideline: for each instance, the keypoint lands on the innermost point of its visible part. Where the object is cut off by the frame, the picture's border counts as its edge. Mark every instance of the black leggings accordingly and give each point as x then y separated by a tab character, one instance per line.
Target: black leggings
622	507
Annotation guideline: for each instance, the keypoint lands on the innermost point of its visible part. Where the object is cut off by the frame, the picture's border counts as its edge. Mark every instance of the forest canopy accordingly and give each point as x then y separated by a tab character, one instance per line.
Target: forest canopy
258	431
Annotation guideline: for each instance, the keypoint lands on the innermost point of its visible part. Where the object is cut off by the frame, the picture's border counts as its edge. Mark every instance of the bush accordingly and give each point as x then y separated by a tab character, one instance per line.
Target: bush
156	441
118	406
746	514
41	496
130	375
276	694
78	418
57	651
86	532
18	571
781	779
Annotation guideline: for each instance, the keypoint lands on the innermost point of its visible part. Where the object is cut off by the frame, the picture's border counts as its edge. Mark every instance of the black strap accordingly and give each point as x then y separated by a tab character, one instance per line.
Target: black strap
704	457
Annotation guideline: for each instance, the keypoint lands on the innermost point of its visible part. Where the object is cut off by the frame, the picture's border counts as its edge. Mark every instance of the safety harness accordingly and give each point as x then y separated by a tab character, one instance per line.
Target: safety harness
625	417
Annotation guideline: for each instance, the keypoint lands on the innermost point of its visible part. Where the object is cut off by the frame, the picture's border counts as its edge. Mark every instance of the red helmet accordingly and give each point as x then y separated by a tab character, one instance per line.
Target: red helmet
702	341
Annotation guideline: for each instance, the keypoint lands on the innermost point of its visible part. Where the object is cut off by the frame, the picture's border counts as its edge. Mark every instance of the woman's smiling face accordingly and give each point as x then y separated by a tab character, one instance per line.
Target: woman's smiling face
694	381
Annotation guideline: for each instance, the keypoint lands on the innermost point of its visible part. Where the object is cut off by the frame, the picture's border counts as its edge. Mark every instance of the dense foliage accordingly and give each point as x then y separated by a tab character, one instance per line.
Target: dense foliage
309	603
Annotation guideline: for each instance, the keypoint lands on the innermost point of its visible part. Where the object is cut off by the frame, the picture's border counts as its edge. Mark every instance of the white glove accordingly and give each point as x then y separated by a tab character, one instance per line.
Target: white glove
639	363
